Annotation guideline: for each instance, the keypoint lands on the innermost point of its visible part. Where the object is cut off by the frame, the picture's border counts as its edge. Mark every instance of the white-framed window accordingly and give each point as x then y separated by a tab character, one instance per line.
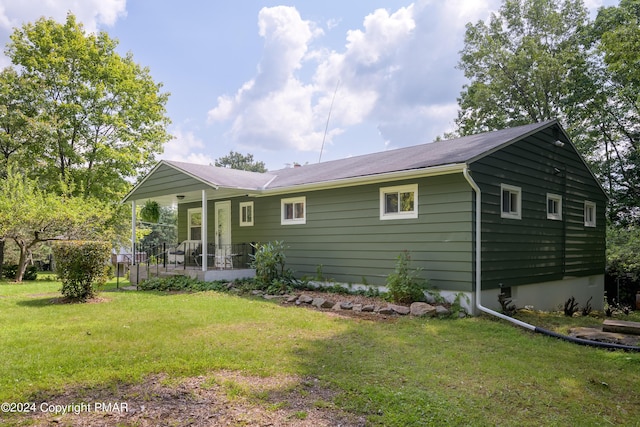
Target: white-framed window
510	201
400	202
246	214
589	214
194	220
554	206
294	210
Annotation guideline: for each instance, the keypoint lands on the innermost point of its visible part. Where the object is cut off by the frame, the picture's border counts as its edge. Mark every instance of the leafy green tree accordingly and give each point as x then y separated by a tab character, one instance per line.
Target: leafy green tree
239	161
104	115
614	114
19	128
30	216
521	64
542	59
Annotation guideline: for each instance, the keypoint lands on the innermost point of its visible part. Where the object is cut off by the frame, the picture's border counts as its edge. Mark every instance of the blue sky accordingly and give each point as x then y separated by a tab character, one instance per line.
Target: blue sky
259	77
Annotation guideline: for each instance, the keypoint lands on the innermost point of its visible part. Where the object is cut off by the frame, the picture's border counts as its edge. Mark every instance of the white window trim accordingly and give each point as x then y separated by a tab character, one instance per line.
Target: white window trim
189	213
558	199
587	205
241	207
512	189
293	200
410	188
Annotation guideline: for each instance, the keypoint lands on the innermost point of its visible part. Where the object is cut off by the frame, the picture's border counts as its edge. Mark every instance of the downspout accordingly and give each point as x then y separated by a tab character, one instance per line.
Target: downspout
478	283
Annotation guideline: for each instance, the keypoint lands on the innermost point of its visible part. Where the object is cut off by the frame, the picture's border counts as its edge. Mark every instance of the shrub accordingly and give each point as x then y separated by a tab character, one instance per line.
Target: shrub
269	263
404	284
82	267
10	271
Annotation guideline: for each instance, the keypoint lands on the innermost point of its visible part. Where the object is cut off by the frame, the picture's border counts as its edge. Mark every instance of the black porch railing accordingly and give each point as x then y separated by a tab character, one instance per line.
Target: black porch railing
189	255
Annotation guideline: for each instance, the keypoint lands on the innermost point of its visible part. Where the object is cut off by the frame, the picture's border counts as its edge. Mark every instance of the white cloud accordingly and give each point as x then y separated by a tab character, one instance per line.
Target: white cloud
91	13
274	109
186	147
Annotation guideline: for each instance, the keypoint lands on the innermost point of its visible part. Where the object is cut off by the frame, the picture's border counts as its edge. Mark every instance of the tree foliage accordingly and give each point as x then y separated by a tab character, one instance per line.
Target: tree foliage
543	59
101	115
615	115
239	161
30	216
19	127
521	64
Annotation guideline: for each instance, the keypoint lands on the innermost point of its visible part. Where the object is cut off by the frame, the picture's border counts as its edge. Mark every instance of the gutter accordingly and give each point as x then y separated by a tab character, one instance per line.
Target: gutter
478	284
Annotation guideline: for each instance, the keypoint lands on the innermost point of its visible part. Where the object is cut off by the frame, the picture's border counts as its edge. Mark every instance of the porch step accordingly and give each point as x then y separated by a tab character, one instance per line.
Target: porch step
621	326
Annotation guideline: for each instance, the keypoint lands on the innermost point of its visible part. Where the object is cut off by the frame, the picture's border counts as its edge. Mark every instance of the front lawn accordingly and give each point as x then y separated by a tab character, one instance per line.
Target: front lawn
473	371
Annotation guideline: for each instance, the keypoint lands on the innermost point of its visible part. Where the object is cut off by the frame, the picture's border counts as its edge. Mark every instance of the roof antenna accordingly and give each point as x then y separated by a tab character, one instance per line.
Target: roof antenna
326	127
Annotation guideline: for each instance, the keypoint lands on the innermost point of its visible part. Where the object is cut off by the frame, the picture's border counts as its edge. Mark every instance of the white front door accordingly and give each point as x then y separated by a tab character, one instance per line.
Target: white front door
222	234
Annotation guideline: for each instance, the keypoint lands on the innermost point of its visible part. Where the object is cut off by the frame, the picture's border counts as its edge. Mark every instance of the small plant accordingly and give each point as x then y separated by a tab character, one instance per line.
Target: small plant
269	263
570	307
586	310
319	275
404	284
456	306
507	308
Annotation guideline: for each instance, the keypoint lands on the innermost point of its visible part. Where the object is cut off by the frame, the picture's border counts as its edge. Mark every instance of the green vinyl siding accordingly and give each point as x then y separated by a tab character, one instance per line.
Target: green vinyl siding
167	180
344	234
537	249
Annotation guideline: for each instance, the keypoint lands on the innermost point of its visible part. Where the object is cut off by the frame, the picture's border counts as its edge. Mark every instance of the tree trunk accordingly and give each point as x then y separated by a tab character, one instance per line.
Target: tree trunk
22	263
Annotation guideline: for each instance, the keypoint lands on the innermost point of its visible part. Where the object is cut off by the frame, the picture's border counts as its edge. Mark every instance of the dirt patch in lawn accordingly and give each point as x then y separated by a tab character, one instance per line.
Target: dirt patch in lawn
223	398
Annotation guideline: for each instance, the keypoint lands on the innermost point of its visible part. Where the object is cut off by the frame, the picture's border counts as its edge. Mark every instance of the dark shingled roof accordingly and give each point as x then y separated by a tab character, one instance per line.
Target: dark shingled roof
424	156
440	153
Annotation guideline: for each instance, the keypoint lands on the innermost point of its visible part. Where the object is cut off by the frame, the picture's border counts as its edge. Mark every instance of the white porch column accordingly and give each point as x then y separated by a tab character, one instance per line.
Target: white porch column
133	232
205	255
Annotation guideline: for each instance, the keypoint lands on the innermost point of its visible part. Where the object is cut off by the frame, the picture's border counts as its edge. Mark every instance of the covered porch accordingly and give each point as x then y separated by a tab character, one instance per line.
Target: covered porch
206	248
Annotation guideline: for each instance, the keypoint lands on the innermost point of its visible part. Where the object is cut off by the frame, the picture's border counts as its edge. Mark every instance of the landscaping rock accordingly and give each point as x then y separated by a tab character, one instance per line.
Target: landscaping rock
304	299
369	308
357	307
386	310
291	299
346	305
422	309
322	303
442	311
399	309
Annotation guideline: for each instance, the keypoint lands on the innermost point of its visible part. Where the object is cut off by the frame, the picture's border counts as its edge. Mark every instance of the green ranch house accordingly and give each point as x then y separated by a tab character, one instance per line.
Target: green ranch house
516	209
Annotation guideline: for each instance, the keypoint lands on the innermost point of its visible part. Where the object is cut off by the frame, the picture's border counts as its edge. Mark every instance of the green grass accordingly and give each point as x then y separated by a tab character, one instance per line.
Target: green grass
474	371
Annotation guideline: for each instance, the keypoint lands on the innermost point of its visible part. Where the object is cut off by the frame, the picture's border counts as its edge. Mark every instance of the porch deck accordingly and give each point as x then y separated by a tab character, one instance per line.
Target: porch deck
141	272
227	262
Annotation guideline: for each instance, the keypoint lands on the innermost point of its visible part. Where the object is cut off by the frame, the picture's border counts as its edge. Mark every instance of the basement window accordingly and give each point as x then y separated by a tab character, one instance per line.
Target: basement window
511	202
399	202
293	211
554	206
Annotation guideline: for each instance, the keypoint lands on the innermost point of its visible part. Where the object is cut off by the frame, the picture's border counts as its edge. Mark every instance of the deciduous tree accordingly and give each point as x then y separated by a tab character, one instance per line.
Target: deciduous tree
239	161
521	64
104	115
30	216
